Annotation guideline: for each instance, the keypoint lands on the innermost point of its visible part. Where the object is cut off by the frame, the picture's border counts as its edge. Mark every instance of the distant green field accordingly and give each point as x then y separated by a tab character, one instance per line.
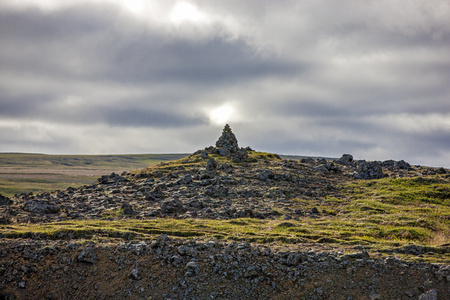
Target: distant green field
25	172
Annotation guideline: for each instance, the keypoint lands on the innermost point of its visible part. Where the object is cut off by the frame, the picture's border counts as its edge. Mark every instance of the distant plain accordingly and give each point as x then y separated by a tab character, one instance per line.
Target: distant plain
37	173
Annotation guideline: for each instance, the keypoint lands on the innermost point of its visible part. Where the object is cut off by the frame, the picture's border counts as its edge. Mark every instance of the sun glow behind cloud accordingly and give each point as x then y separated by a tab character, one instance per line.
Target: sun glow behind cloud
222	114
186	12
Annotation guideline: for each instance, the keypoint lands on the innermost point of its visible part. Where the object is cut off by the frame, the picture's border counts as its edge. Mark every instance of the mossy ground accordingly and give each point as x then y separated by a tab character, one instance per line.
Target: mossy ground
376	214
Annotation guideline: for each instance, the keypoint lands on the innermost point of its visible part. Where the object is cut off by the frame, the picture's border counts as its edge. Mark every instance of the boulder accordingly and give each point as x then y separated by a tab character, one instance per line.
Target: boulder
240	155
4	200
192	269
172	206
402	165
35	206
127	209
430	295
211	165
441	171
370	170
396	165
346	159
87	256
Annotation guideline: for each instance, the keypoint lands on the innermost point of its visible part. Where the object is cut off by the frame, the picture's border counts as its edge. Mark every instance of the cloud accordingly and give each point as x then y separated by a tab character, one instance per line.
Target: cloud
302	77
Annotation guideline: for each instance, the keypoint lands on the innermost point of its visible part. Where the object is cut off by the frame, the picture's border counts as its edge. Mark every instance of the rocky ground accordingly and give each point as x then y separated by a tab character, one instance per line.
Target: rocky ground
167	268
224	182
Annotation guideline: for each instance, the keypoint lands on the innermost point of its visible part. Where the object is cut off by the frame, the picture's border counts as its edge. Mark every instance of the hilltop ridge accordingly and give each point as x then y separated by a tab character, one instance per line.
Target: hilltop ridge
229	222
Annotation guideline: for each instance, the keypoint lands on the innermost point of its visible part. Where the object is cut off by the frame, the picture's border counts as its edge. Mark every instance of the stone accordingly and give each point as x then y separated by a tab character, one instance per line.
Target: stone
402	165
134	274
314	210
240	155
322	161
375	296
36	206
4	200
127	209
88	256
307	160
227	140
369	170
359	255
185	180
172	206
111	179
430	295
192	269
441	171
346	159
443	273
211	165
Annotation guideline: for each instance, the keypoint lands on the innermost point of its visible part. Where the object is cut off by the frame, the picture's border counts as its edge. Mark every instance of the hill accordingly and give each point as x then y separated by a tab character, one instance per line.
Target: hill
233	223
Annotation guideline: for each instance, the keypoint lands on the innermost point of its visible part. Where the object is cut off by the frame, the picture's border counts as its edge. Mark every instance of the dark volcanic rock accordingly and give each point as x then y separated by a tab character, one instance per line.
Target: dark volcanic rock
430	295
165	268
227	141
211	165
346	159
172	206
4	200
370	170
88	256
40	207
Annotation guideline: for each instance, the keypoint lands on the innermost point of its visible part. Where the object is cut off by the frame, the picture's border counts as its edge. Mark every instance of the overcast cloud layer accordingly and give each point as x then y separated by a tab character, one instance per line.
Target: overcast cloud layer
322	78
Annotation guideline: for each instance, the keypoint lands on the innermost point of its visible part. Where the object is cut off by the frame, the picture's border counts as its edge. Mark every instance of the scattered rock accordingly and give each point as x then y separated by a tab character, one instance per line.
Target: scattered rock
35	206
375	296
241	155
192	269
88	256
211	165
402	165
5	200
430	295
370	170
134	274
441	171
127	209
172	206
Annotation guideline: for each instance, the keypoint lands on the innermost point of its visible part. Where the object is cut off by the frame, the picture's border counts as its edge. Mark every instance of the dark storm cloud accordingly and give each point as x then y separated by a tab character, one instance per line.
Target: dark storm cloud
303	77
80	42
138	117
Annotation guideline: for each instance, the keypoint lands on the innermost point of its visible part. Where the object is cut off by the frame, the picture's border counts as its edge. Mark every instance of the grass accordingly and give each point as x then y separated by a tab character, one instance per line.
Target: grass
379	214
27	183
414	209
124	162
254	230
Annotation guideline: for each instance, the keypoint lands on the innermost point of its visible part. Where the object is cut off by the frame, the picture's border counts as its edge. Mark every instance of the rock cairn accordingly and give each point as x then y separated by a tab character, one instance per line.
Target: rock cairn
227	141
227	145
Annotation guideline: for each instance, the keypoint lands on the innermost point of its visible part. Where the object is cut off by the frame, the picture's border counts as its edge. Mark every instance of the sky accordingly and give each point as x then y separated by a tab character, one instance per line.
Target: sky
303	77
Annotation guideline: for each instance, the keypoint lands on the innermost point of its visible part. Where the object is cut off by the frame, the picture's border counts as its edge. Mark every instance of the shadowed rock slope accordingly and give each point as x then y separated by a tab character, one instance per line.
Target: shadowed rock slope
233	223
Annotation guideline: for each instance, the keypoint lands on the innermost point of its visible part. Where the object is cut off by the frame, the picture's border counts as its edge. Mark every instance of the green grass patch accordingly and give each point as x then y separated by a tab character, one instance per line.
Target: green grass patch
333	231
